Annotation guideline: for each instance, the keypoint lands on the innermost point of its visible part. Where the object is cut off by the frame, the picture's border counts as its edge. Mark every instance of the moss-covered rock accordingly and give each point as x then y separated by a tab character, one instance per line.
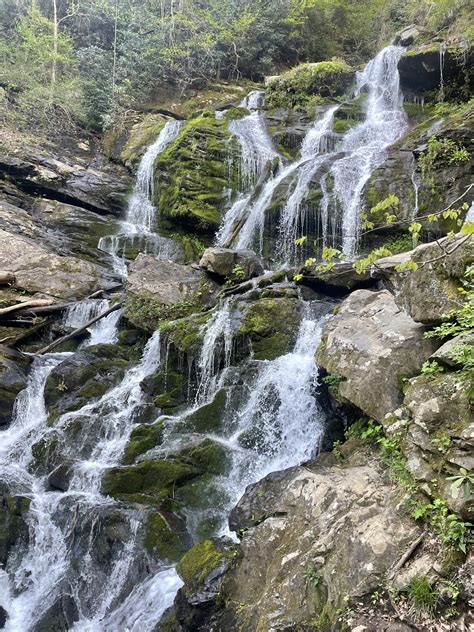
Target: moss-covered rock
271	325
142	439
163	538
85	376
207	418
13	528
208	456
295	87
191	175
13	379
202	560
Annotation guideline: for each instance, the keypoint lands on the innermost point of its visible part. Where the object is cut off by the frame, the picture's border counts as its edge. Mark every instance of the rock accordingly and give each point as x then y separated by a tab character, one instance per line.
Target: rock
69	174
223	262
83	377
420	68
407	35
338	280
271	325
61	476
446	354
37	270
314	536
370	346
60	616
13	526
142	439
166	537
431	291
163	290
3	617
13	379
437	426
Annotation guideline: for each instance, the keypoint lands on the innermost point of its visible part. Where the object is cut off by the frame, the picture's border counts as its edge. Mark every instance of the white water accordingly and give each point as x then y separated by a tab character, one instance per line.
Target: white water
138	227
102	332
365	144
256	147
362	149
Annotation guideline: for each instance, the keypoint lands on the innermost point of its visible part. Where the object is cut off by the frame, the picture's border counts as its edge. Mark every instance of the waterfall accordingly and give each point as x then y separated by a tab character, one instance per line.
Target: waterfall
442	53
102	332
139	223
256	147
349	165
365	145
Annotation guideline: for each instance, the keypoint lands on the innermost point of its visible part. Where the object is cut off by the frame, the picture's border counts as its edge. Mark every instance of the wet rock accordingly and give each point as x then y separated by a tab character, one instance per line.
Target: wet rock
431	291
163	290
271	325
61	476
166	537
13	379
83	377
227	263
142	439
339	279
339	523
202	569
13	527
38	270
60	617
371	341
3	617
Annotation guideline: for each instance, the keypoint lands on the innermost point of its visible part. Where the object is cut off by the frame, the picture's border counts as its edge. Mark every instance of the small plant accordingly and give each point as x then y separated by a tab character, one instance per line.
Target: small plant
422	596
442	443
337	451
313	576
464	479
62	386
431	368
332	381
376	597
238	273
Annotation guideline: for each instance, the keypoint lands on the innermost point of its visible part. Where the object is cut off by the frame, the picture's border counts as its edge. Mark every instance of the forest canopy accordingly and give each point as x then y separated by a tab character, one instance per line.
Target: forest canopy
83	62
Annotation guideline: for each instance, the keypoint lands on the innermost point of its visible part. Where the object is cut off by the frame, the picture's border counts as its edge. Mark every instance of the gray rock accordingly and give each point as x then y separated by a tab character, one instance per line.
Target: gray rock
445	354
13	379
430	292
222	262
371	344
39	270
407	35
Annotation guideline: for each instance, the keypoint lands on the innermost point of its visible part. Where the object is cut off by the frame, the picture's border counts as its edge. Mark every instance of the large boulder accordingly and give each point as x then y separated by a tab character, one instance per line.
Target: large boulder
239	265
369	347
163	290
13	527
431	291
436	424
407	35
40	270
13	379
315	539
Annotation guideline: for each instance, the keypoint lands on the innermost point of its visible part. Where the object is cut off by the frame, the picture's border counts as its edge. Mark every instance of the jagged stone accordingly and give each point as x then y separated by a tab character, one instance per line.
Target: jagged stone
431	291
13	379
407	35
446	354
223	262
369	346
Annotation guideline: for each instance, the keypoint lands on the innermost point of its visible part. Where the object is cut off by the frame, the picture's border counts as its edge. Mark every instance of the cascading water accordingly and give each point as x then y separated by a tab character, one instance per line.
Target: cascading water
140	219
256	147
365	145
103	331
363	148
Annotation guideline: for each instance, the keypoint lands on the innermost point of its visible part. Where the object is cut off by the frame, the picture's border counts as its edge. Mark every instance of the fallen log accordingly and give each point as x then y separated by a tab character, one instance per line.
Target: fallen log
79	330
41	302
11	341
7	278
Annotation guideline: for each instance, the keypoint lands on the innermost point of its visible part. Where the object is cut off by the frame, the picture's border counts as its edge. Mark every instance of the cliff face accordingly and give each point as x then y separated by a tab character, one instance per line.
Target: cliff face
199	381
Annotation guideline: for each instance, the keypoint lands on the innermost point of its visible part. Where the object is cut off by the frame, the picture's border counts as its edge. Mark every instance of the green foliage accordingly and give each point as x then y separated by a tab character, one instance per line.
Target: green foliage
361	265
422	596
295	87
464	479
313	576
385	211
431	368
441	152
332	381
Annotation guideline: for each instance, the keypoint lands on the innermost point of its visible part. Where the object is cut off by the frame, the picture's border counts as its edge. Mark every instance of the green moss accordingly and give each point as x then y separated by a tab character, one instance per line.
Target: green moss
161	540
150	479
147	313
295	87
207	418
271	325
185	334
191	175
208	456
343	125
142	439
196	565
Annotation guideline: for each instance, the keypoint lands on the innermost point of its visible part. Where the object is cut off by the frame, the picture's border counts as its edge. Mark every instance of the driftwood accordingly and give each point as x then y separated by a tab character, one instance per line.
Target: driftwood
51	307
6	278
79	330
13	340
41	302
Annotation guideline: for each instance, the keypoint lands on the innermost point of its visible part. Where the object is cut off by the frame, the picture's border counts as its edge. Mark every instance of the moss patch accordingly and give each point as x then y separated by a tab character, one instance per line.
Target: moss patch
142	439
161	540
207	418
197	564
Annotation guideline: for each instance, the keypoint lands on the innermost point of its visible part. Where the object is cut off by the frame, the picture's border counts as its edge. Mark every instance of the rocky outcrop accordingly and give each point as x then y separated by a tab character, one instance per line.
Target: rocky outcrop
163	290
436	424
372	341
13	379
74	173
39	270
315	539
13	526
430	292
238	265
